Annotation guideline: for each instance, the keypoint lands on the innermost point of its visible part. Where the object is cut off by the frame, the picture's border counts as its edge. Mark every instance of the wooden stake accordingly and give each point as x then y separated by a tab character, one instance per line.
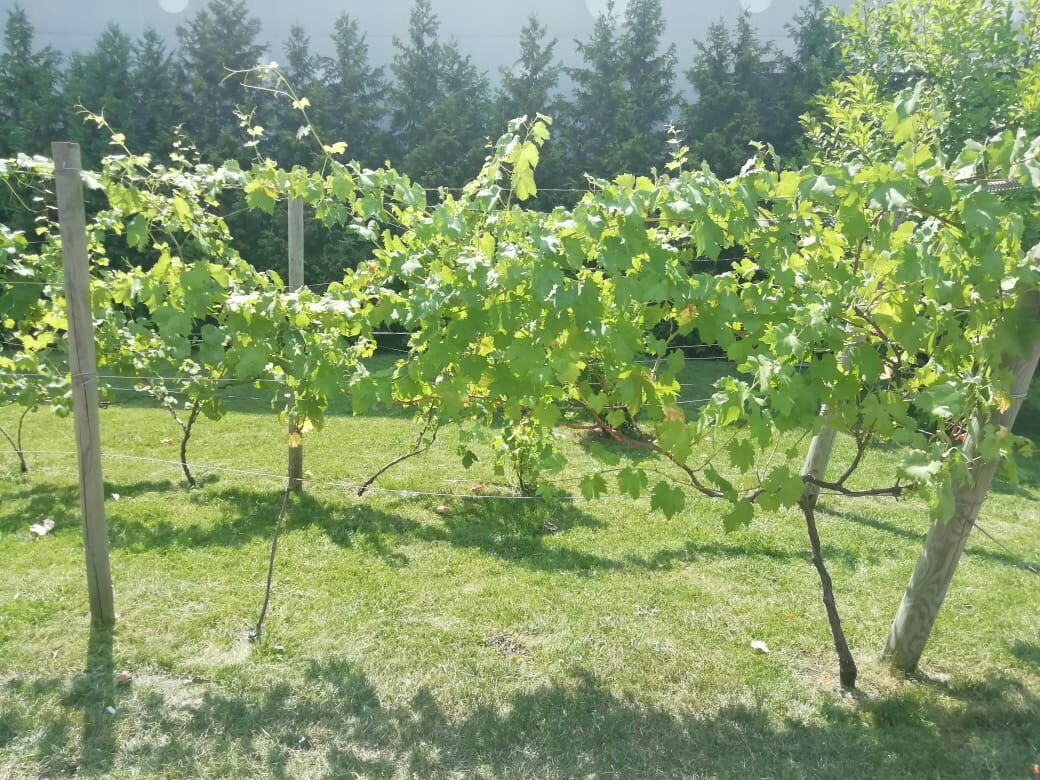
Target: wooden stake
295	283
76	265
946	540
819	455
816	462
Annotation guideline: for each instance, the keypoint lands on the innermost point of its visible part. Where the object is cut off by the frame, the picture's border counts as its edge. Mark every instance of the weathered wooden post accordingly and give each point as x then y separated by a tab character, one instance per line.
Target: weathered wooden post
82	365
295	283
946	540
816	461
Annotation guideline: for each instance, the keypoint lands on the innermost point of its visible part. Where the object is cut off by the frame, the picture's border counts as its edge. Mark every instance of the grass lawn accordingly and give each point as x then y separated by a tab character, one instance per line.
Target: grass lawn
406	643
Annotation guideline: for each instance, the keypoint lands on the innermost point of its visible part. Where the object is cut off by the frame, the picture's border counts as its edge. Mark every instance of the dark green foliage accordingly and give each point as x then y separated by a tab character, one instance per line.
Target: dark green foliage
649	75
748	91
221	38
30	79
624	94
736	77
439	104
528	88
353	105
155	82
97	82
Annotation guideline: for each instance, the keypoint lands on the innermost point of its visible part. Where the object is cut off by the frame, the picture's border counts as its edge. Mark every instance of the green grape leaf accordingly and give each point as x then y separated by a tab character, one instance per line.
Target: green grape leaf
668	499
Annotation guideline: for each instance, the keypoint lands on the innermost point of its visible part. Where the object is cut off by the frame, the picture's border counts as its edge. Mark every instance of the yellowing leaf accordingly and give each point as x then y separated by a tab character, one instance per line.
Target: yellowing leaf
686	315
1003	401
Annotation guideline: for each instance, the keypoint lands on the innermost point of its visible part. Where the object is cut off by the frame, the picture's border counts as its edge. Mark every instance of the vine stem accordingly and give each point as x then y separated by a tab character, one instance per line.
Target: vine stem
17	450
258	631
421	446
186	428
847	671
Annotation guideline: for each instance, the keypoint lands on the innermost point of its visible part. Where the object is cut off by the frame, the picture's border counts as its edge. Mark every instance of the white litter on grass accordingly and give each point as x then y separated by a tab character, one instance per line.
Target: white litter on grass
42	528
759	646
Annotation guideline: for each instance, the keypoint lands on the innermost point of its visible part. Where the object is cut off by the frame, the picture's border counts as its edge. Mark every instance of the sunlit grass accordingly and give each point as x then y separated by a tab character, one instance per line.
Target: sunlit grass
480	643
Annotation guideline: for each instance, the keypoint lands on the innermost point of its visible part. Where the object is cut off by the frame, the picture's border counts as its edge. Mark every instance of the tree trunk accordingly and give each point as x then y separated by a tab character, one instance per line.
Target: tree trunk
847	671
946	540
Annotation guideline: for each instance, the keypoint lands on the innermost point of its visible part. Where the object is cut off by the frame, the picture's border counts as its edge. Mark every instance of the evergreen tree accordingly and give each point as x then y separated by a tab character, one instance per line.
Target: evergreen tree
816	63
529	88
100	82
650	81
439	104
738	83
220	38
353	109
817	57
623	94
30	80
155	80
592	128
303	70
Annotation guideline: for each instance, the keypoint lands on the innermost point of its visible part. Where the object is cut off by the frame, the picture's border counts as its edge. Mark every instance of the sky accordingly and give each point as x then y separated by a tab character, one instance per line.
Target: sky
486	29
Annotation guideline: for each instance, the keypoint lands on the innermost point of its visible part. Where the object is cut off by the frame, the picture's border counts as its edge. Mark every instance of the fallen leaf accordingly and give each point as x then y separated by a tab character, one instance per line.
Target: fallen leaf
550	528
42	528
476	490
168	442
760	646
1036	770
441	510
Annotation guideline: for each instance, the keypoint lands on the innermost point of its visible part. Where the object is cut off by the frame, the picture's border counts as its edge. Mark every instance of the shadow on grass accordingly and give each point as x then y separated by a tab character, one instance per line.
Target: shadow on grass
509	530
91	693
692	552
973	550
1027	652
333	723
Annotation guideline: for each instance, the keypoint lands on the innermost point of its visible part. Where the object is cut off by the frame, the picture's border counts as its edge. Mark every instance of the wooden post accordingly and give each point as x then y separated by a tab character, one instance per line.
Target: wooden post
76	265
295	283
946	540
816	461
819	455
